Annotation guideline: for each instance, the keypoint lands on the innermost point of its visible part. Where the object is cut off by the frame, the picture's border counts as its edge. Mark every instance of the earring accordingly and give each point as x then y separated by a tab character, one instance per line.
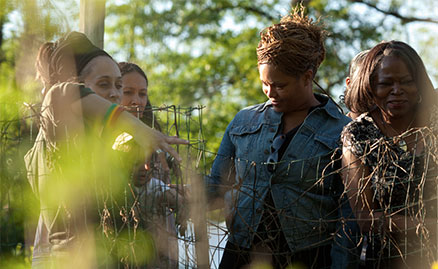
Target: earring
419	99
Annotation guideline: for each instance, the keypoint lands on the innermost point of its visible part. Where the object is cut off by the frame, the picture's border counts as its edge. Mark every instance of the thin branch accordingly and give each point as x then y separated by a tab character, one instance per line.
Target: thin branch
256	11
250	9
330	85
405	19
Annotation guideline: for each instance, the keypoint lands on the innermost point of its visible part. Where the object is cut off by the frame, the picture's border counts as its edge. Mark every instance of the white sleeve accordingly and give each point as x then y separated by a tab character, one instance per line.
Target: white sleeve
156	187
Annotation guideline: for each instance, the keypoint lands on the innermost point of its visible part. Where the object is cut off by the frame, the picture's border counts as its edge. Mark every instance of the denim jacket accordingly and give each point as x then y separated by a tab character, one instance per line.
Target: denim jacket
307	203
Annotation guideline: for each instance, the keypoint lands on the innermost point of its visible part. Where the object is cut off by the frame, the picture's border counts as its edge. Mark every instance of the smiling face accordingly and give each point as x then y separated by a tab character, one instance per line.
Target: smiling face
102	75
395	91
287	93
135	93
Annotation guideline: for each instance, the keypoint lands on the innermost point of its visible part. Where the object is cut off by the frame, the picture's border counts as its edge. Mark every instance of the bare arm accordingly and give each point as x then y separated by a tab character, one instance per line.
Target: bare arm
94	106
357	182
358	189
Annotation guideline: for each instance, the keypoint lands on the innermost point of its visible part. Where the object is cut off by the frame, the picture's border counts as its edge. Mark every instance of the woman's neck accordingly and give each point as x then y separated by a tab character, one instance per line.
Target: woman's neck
294	118
394	126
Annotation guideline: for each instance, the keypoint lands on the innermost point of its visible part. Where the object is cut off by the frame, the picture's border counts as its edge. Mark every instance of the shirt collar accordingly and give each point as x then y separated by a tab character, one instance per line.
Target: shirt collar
330	107
264	106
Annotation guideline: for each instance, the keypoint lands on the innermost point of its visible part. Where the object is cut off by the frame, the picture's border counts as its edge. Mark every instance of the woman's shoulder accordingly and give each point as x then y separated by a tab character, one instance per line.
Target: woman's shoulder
255	108
68	89
357	134
251	118
63	86
333	118
249	112
363	121
361	129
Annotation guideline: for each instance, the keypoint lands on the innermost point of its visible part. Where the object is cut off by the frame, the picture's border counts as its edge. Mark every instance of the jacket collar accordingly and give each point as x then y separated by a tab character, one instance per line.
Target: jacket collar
330	107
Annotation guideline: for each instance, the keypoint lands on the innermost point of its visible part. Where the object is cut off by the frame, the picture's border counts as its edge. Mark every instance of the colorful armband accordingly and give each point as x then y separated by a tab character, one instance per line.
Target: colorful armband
111	115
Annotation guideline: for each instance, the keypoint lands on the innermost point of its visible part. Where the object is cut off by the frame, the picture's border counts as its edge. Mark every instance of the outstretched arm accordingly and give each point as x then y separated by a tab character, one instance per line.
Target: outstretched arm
94	106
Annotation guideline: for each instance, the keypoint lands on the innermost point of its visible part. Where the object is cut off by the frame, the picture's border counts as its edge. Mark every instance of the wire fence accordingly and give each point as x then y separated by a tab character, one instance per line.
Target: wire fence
143	225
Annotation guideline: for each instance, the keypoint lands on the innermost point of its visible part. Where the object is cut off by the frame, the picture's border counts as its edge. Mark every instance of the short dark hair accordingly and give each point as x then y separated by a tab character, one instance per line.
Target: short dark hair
126	67
363	97
148	115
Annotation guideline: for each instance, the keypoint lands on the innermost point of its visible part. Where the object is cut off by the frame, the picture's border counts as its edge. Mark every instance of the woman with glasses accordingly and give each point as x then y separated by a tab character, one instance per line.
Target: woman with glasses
389	158
273	163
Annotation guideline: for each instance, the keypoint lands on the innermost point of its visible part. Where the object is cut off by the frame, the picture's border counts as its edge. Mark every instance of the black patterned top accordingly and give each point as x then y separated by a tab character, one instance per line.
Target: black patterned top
402	182
395	173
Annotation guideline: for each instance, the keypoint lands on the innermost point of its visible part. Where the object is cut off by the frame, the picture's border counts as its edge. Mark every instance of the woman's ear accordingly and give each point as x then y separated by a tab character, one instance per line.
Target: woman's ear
347	81
308	78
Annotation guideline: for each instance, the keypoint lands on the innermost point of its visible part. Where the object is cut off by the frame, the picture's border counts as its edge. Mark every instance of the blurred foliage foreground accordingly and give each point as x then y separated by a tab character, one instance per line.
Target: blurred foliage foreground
94	176
194	52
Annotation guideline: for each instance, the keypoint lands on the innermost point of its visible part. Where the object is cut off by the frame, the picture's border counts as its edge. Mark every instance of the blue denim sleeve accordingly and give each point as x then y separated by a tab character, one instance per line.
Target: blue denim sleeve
222	172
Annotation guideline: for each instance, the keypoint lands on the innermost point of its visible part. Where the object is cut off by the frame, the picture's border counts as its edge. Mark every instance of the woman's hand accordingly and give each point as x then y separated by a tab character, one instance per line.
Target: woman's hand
151	140
179	203
164	142
94	107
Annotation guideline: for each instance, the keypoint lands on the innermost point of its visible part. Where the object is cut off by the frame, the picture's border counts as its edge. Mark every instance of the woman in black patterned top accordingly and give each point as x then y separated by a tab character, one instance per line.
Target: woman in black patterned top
389	158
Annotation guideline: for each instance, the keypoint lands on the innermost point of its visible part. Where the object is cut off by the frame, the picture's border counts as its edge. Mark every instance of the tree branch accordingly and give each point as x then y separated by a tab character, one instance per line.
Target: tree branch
404	19
256	11
249	9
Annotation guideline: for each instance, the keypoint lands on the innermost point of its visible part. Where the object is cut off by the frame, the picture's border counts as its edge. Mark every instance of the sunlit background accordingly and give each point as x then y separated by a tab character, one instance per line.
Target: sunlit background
195	53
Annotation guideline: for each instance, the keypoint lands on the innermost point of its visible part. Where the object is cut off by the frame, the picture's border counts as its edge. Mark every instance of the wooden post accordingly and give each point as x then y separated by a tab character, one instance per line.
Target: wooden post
92	20
199	218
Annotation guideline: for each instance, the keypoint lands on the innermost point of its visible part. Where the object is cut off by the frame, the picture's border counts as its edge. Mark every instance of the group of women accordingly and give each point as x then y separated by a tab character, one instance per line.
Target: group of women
291	198
89	99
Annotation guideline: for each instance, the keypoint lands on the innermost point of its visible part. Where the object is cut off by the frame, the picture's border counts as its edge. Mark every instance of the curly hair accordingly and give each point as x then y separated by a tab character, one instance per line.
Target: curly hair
294	45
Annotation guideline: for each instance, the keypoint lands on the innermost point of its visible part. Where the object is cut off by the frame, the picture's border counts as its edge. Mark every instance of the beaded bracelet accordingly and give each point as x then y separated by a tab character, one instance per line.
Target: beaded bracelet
111	115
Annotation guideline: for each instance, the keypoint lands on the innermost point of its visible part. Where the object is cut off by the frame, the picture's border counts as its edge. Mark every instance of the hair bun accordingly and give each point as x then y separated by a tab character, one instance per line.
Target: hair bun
294	45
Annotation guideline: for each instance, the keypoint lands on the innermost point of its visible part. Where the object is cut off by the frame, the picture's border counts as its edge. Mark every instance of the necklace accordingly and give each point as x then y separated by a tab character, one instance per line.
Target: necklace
397	139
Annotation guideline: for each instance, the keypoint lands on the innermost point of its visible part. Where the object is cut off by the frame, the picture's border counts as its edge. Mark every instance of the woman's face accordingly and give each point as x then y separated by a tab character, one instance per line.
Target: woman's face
395	91
102	75
135	93
287	93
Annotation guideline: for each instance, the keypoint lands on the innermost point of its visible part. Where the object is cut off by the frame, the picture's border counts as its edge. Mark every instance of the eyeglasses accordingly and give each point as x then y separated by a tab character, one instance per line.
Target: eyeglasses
273	157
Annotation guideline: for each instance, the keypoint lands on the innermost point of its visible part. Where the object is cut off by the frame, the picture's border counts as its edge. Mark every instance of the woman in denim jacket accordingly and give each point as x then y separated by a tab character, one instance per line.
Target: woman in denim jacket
274	161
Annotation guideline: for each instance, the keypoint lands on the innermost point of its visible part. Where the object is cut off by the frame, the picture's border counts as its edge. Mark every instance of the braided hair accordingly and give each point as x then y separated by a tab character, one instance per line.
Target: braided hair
294	45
